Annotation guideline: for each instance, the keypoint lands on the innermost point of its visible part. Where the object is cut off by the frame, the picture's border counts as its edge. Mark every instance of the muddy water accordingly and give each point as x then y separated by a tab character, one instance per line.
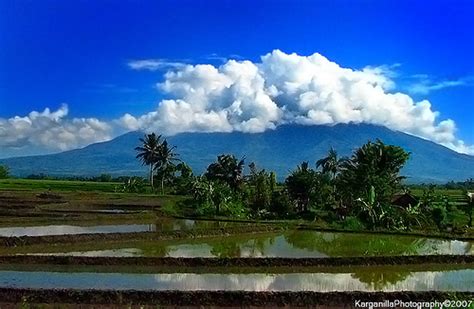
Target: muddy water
288	244
162	224
74	229
362	280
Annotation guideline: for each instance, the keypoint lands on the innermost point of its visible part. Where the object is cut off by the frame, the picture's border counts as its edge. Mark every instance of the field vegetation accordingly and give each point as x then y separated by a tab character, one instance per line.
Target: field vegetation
355	193
232	200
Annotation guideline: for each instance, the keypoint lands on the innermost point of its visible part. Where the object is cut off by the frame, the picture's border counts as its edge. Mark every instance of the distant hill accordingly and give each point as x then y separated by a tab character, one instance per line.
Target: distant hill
279	150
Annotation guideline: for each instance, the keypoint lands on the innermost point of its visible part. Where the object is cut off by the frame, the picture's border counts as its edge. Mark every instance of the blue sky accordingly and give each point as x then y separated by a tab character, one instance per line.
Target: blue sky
80	52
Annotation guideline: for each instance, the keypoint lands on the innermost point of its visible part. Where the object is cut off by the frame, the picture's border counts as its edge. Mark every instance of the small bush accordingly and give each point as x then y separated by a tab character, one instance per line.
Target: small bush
281	205
4	172
438	213
353	223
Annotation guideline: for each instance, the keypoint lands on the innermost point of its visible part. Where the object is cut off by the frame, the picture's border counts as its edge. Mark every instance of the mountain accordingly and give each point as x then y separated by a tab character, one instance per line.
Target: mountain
279	150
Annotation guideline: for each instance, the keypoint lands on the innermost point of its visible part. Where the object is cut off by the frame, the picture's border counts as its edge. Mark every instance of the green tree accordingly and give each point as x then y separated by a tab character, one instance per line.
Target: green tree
373	165
148	152
300	185
133	185
105	178
212	195
227	169
331	164
183	181
261	187
4	172
166	162
469	206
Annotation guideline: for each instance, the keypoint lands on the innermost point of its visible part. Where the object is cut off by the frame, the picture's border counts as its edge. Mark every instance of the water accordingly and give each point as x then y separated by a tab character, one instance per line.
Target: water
162	224
48	230
289	244
365	280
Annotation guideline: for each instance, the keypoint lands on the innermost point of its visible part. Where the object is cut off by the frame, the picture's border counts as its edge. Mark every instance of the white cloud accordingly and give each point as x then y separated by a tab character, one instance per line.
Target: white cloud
424	84
289	88
154	64
51	130
248	97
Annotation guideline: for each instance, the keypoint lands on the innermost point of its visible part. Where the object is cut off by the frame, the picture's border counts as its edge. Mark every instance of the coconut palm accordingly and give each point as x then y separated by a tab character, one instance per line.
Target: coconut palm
148	153
373	164
166	160
227	169
331	164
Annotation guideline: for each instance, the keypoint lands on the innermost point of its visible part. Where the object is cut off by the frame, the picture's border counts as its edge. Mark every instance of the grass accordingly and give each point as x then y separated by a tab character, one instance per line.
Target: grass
82	196
75	201
56	185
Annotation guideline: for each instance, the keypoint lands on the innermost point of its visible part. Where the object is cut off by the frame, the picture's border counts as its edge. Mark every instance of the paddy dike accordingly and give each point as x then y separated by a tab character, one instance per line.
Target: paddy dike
236	262
216	298
163	235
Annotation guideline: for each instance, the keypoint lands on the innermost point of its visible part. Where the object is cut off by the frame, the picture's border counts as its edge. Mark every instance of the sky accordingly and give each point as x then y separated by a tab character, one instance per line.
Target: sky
78	72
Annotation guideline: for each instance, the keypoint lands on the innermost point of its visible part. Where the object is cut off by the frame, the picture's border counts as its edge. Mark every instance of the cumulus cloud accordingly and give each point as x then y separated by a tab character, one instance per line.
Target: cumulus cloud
289	88
52	130
249	97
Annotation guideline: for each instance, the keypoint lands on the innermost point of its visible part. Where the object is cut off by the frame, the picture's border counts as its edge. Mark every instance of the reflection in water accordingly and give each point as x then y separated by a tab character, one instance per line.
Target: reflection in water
297	243
74	229
457	280
162	224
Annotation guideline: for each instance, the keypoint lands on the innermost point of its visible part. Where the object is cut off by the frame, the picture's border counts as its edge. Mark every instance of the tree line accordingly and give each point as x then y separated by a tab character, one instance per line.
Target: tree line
356	189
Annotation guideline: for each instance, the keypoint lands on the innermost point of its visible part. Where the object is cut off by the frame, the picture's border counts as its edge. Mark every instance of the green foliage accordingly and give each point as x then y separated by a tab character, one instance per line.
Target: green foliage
105	178
4	172
216	197
324	194
133	185
368	210
182	183
374	164
166	163
159	156
353	223
331	164
57	185
261	186
228	170
413	216
353	192
300	185
149	151
439	215
281	205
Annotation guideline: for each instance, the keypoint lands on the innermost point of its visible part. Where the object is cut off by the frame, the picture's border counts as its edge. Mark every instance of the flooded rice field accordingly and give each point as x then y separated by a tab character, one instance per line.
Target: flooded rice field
364	279
162	224
48	230
295	243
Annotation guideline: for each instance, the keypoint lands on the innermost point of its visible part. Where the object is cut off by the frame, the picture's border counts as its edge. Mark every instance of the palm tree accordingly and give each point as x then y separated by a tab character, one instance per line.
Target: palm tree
166	162
374	164
331	164
227	169
148	153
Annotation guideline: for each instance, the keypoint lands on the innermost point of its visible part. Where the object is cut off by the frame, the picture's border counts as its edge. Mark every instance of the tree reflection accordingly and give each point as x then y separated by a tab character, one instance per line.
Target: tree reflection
346	244
241	246
378	279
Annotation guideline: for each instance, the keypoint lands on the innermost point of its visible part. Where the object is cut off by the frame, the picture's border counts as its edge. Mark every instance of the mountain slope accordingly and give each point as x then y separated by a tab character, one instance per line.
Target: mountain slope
279	150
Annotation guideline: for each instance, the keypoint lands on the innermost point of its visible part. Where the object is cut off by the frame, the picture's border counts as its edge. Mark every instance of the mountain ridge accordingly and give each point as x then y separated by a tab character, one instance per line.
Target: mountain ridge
279	150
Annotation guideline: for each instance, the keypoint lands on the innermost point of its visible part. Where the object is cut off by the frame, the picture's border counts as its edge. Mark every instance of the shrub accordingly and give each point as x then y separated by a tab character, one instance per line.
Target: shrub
353	223
281	205
438	213
4	172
